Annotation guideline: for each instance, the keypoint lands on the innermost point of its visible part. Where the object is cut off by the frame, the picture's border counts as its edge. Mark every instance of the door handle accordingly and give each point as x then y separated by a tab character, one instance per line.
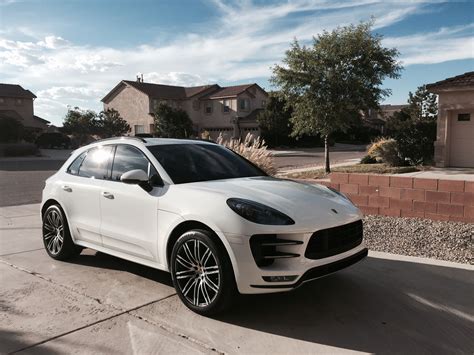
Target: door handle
67	188
108	195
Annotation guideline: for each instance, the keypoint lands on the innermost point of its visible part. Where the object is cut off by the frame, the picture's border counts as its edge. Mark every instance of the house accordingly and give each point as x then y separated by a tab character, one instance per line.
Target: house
230	110
454	144
16	102
377	118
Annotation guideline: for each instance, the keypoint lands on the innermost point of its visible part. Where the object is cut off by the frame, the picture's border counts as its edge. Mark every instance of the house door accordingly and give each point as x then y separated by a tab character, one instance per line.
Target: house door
462	139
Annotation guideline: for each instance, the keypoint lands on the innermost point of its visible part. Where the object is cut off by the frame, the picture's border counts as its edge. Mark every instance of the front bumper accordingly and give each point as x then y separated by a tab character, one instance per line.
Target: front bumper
320	271
286	273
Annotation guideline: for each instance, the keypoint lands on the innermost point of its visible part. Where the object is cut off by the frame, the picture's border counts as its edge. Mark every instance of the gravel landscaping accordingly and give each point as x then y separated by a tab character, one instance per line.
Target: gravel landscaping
449	241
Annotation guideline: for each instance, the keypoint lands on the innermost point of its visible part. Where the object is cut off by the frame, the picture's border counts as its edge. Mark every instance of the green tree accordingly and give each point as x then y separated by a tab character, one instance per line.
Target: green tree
111	124
274	120
331	82
81	124
172	123
414	127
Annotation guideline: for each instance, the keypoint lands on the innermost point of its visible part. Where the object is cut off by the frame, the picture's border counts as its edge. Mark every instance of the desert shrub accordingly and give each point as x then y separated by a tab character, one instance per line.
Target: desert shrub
11	130
368	159
416	142
386	150
53	140
18	149
253	149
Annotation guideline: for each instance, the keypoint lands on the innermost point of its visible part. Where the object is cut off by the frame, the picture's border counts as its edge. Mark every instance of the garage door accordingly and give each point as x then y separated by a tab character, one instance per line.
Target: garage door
462	140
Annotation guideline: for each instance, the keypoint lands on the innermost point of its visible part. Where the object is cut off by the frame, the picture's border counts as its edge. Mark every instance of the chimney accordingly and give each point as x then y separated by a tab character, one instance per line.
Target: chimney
142	77
139	78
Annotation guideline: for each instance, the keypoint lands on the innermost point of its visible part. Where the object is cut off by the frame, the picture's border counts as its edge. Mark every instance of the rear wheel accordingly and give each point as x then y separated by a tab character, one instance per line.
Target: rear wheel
56	236
202	273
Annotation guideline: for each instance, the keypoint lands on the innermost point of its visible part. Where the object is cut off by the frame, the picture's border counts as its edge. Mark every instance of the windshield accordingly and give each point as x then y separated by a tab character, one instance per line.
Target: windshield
202	162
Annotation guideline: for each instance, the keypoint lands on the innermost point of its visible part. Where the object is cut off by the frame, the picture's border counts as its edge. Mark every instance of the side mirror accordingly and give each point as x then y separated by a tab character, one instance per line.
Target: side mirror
134	177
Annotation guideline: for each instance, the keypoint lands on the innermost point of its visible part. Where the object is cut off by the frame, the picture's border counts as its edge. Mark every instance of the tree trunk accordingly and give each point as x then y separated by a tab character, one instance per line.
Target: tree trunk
326	153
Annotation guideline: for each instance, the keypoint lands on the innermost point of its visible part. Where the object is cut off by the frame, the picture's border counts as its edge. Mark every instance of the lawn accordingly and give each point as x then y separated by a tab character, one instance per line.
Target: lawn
358	168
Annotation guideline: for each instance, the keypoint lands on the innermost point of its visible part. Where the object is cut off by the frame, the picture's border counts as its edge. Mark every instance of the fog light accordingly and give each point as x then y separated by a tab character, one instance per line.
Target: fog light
285	278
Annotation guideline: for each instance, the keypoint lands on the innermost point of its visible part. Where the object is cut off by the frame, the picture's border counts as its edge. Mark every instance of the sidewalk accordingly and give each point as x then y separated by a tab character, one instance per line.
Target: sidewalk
466	174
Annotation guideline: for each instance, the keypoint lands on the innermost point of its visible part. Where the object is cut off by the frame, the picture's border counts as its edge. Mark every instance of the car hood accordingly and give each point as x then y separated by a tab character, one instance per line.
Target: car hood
300	201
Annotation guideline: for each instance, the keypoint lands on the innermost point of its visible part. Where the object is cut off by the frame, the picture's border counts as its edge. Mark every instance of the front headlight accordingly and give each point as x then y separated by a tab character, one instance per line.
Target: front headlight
258	213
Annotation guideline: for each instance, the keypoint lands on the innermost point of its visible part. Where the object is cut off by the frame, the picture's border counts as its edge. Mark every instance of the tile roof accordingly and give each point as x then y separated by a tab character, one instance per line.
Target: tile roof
229	91
466	79
12	90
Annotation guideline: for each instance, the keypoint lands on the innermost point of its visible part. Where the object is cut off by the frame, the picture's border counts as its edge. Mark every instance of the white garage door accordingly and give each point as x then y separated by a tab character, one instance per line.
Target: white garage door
462	140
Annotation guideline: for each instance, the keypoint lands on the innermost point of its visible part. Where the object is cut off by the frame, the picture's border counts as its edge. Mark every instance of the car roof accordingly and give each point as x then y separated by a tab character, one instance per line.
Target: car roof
152	141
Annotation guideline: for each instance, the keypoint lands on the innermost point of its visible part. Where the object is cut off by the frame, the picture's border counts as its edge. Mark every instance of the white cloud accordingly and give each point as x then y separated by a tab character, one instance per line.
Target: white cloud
242	45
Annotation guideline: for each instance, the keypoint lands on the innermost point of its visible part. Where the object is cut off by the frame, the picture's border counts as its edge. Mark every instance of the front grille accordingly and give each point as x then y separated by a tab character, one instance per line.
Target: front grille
333	241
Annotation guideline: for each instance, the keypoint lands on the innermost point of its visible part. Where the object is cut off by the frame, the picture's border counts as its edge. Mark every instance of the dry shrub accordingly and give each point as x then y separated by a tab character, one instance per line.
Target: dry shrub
253	149
386	150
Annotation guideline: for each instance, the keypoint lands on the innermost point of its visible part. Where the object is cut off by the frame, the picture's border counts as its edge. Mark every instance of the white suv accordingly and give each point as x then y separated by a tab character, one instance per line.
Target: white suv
217	222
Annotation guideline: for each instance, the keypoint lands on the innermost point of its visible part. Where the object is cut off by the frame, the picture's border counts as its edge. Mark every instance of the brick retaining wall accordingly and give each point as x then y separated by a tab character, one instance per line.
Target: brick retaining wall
399	196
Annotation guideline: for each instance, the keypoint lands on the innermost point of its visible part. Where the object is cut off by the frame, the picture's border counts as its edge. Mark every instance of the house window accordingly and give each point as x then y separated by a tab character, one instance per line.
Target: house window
464	117
139	129
264	103
208	107
18	102
154	104
226	105
244	104
2	101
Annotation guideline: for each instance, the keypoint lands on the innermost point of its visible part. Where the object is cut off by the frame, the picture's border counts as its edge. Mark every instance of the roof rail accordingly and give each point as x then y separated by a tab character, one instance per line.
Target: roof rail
122	137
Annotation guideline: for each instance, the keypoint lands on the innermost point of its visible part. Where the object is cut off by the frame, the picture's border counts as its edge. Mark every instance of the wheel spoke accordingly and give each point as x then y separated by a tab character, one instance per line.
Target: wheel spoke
48	235
188	286
185	263
48	226
212	285
196	293
212	272
189	254
205	293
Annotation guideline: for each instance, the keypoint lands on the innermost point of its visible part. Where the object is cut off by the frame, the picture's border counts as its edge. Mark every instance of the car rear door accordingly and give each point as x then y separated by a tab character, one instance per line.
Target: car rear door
81	191
129	213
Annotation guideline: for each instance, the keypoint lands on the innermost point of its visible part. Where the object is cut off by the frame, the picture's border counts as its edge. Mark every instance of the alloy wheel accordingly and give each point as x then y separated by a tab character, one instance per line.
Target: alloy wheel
53	231
197	273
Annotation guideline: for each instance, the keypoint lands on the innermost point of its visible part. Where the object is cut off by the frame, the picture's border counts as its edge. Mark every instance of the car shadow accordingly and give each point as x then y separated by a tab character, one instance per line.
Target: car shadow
376	306
100	260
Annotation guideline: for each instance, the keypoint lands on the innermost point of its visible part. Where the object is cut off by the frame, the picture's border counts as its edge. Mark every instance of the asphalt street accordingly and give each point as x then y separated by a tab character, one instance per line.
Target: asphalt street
100	304
22	179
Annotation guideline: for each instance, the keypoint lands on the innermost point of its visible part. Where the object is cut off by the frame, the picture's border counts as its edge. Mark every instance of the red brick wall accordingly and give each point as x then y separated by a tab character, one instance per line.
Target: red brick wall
438	199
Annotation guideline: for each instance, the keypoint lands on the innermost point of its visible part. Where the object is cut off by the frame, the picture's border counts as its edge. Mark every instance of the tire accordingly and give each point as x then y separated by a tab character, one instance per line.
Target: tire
206	286
56	236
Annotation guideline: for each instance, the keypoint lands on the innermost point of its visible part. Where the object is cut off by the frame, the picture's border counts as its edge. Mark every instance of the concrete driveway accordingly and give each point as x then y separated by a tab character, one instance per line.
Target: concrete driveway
101	304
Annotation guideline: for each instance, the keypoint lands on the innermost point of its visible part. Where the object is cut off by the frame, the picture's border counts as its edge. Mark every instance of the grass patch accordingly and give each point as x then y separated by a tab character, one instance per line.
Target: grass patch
358	168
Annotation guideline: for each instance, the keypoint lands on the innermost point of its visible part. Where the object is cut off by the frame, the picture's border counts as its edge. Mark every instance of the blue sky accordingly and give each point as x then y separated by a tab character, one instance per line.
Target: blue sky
73	52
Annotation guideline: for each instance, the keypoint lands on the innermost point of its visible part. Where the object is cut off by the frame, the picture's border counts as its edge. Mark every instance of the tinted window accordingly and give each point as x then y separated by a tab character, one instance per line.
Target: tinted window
96	163
130	158
202	162
76	164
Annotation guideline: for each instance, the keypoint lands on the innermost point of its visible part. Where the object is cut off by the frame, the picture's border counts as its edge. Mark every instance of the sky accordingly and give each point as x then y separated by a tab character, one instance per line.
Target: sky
72	53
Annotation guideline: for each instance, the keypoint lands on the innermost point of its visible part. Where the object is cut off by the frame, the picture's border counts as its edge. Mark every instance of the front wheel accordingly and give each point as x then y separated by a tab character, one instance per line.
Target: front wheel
202	273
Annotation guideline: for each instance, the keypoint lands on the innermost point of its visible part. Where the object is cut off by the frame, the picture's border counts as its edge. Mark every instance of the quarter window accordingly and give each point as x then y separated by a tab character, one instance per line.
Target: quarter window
76	164
96	162
130	158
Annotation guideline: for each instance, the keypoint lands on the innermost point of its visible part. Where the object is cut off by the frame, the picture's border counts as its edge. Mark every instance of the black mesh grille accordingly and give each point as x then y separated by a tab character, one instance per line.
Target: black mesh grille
332	241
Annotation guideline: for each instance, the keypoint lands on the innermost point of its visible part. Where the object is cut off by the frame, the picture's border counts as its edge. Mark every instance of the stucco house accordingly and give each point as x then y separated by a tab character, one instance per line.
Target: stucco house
231	110
377	118
454	144
18	103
